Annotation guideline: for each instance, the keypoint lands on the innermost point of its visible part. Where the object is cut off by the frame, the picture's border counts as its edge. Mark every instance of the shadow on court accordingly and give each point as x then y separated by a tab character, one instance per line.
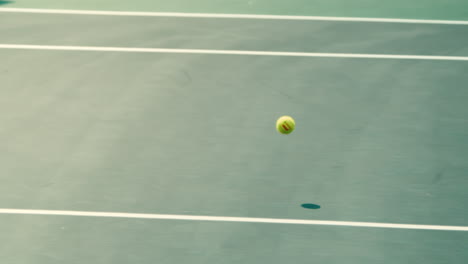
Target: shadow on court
5	2
310	206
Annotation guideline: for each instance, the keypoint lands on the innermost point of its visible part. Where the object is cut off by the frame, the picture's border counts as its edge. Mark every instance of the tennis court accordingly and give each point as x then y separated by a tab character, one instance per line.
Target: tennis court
144	132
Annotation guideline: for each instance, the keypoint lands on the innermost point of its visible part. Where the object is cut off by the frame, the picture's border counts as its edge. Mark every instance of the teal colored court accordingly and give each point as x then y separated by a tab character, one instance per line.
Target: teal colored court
102	114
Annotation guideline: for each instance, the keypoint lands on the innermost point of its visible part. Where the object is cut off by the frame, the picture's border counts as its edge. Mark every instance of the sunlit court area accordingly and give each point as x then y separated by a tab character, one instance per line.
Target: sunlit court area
233	132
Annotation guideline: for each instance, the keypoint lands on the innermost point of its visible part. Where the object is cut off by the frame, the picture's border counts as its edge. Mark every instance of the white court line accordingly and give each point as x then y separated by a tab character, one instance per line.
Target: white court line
234	52
234	16
230	219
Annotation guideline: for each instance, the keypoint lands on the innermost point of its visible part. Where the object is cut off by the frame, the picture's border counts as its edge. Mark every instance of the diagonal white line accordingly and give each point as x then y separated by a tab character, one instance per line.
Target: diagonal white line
233	16
230	219
234	52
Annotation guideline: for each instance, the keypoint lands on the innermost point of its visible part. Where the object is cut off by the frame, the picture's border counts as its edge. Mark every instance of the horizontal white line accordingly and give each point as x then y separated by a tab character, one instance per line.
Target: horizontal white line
231	219
235	16
234	52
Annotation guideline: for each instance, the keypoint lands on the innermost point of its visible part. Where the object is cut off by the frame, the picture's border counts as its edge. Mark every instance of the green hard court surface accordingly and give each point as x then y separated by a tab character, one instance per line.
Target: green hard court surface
377	140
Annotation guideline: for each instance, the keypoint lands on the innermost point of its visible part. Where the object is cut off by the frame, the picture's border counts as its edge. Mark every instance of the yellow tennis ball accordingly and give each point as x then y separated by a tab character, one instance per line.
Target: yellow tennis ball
285	124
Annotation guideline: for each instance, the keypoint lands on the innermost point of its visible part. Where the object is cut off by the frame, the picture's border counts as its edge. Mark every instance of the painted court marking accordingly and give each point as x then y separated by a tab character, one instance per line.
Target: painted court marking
232	16
230	219
233	52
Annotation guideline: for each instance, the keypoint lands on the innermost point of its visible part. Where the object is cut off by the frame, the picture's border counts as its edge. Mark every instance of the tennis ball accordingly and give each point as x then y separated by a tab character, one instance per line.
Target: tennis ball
285	124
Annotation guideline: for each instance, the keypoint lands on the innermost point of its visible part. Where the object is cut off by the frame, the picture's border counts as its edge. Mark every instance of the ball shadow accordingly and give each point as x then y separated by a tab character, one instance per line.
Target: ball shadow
311	206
